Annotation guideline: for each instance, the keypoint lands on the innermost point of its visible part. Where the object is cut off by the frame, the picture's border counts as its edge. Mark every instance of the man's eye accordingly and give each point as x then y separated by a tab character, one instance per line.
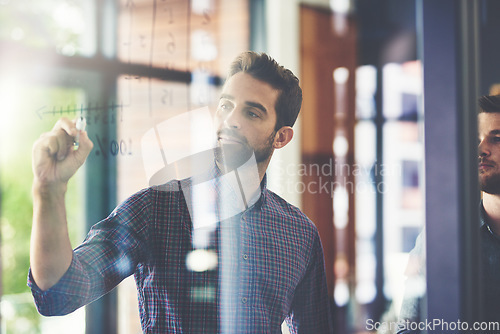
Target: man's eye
252	114
224	106
496	139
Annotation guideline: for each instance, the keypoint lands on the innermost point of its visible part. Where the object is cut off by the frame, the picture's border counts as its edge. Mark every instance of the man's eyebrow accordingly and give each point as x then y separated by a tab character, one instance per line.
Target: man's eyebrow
226	96
495	132
257	105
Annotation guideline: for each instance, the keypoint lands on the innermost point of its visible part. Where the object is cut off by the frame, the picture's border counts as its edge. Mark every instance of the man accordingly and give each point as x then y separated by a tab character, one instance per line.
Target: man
279	256
489	181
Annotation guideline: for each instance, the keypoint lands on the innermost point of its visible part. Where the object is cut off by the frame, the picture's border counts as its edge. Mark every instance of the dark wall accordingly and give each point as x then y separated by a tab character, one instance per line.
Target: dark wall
490	44
387	31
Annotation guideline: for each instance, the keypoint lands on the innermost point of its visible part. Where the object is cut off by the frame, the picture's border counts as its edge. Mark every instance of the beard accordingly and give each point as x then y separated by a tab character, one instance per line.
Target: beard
264	153
490	184
232	156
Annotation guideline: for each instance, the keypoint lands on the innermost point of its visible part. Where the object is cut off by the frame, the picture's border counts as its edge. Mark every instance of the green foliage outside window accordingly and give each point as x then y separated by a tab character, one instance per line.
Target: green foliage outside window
20	126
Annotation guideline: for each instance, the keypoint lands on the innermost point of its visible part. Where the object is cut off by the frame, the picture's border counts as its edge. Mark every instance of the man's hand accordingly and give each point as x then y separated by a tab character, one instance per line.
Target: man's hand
54	159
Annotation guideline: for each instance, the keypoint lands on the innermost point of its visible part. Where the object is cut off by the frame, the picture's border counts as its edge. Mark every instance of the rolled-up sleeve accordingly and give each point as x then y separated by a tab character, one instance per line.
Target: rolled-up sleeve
110	253
65	296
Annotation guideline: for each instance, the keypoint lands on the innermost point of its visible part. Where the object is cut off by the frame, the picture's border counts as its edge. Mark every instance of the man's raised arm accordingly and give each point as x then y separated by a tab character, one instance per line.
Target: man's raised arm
55	161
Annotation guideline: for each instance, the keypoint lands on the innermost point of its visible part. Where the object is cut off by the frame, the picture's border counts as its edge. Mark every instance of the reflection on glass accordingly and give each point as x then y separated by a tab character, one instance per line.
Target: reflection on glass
399	184
365	213
403	200
366	85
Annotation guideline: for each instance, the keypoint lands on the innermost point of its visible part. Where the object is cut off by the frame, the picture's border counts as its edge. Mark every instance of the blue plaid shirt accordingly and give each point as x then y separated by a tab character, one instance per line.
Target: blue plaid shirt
279	268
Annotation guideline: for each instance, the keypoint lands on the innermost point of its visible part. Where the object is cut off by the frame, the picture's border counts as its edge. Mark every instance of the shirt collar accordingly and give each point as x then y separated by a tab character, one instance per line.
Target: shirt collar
484	221
482	214
215	172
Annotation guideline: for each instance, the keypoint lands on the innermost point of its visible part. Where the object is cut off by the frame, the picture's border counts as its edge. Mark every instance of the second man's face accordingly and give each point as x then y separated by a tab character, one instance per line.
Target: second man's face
489	152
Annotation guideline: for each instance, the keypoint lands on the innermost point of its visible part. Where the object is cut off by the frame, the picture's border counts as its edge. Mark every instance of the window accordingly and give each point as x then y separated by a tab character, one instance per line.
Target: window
126	66
23	120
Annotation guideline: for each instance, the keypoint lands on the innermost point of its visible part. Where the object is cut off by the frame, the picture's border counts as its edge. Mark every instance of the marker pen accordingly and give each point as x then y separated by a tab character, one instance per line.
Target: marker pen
80	125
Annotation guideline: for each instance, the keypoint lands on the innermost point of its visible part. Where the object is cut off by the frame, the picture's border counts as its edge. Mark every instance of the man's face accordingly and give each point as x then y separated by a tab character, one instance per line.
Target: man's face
489	152
246	118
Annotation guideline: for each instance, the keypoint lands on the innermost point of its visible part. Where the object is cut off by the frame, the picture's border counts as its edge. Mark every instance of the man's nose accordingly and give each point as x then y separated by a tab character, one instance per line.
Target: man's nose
231	120
483	148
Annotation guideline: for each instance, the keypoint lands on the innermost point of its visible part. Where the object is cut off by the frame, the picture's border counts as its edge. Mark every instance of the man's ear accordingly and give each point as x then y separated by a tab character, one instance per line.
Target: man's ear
283	136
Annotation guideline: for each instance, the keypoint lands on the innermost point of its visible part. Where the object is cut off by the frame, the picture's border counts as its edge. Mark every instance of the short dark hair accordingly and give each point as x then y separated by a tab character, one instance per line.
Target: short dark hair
264	68
489	103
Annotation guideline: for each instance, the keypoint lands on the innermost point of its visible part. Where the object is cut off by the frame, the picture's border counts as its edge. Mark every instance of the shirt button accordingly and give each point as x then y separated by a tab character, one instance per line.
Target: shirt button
244	300
245	257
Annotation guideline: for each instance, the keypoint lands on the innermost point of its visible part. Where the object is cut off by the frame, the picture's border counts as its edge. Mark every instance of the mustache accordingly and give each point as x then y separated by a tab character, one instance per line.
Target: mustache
231	134
482	160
